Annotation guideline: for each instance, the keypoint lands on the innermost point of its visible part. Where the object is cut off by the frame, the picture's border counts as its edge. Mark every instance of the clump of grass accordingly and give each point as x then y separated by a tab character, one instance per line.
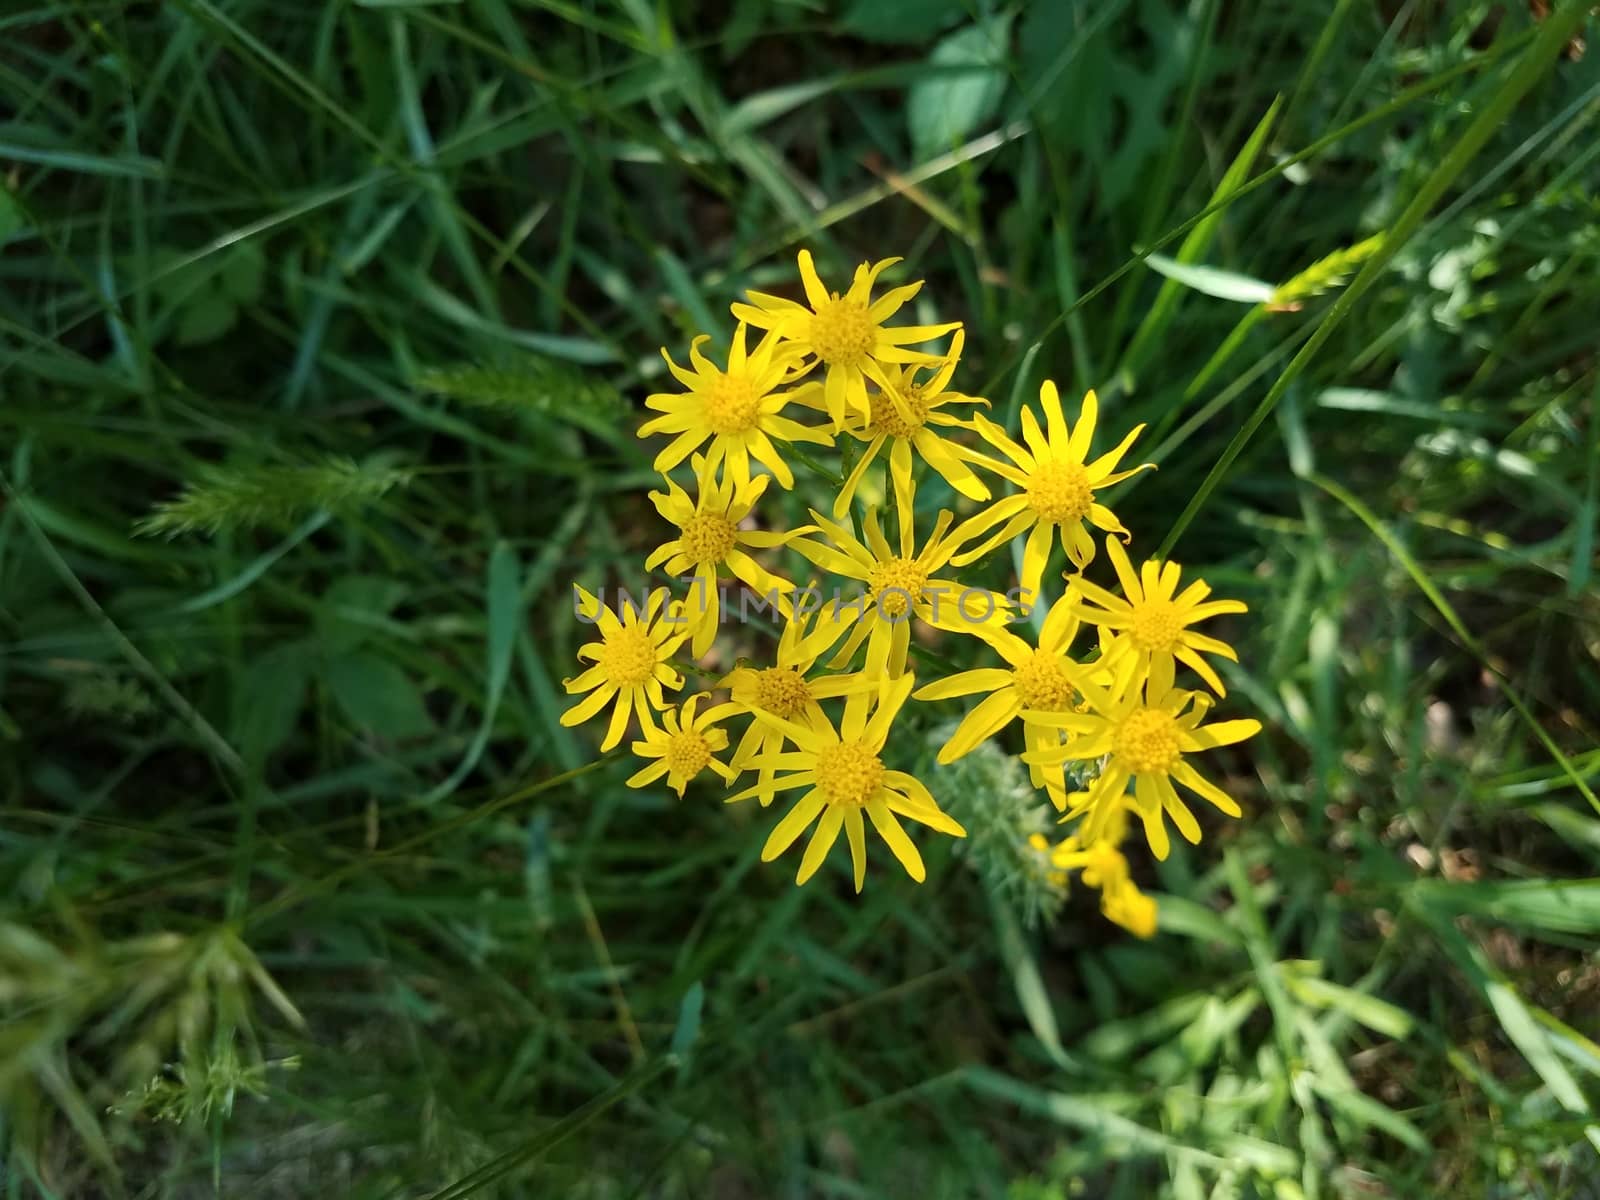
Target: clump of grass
529	384
247	496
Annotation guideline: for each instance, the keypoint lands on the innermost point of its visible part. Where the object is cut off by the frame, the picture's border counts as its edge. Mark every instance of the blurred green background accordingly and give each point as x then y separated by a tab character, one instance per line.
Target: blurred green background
324	331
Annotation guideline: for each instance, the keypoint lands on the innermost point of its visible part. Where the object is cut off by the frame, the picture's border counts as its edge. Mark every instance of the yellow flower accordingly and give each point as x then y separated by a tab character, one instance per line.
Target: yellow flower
898	586
845	333
685	746
1058	485
906	415
844	775
783	691
1152	619
709	537
1035	679
737	410
1143	726
1105	868
630	662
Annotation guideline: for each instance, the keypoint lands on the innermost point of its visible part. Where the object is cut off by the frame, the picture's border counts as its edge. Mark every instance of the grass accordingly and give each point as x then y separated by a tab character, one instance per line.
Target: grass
324	330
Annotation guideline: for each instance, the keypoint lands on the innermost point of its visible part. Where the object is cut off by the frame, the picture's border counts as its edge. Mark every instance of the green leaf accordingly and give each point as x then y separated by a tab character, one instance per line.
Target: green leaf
943	110
352	610
130	166
376	695
243	273
688	1027
205	319
911	21
268	697
1093	1114
1213	281
1377	1015
505	604
1364	1110
1553	905
1517	1021
1188	918
11	219
1196	244
1031	992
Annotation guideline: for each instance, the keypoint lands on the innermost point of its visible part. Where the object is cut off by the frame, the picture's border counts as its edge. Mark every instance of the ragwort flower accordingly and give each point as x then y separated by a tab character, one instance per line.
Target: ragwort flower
1155	621
843	772
630	661
709	538
845	333
739	411
1143	727
685	746
907	415
1058	485
1034	679
786	690
898	587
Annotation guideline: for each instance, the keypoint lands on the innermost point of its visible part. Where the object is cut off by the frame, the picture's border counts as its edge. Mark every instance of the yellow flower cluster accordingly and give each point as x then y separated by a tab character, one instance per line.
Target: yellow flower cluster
1115	713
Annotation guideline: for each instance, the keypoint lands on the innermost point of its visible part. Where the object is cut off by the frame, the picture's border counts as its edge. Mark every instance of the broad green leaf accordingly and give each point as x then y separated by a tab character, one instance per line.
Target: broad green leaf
376	695
353	609
268	698
242	275
205	319
944	110
911	21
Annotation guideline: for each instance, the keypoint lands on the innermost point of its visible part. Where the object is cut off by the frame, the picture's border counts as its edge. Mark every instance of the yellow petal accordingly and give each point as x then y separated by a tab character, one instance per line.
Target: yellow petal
965	683
822	840
1083	432
895	838
793	824
587	707
856	831
987	718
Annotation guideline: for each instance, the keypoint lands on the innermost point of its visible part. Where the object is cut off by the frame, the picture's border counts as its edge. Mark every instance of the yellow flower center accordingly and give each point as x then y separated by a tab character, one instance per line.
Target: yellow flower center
1156	626
687	753
1042	684
732	404
707	537
1060	491
781	692
1146	742
849	774
886	418
897	583
843	332
629	657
